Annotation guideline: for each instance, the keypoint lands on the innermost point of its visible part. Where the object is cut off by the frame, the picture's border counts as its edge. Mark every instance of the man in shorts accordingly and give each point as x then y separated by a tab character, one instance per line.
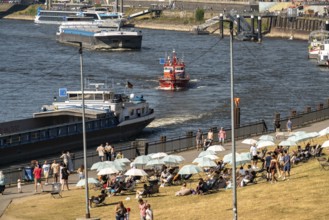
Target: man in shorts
55	169
254	157
46	169
37	178
286	165
198	139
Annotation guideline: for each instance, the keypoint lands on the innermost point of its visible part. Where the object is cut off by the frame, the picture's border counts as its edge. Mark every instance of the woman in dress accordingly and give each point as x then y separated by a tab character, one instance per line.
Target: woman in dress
273	168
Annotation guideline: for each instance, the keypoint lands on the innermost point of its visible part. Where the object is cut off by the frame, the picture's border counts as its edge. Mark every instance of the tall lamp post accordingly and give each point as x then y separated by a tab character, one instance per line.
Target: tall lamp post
84	135
235	208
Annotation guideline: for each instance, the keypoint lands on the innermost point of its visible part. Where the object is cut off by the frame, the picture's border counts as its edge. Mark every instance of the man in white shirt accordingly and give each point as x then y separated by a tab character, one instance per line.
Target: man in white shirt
254	157
46	169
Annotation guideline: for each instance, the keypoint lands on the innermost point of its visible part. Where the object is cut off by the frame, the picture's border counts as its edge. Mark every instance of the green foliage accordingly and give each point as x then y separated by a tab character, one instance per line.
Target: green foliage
199	14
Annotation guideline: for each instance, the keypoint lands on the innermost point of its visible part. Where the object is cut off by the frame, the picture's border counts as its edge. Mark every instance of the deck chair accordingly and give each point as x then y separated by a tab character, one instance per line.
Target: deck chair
56	191
324	163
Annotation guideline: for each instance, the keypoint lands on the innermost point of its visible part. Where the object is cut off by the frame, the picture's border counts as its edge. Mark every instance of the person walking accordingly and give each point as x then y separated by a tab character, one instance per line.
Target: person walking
55	168
45	171
100	149
108	151
286	165
142	208
64	176
221	136
120	211
37	178
198	139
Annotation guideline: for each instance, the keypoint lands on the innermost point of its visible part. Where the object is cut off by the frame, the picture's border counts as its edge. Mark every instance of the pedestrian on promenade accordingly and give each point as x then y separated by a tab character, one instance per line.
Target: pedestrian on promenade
2	182
70	165
37	178
100	149
221	136
45	171
64	176
108	151
55	168
198	139
19	186
289	125
210	135
64	157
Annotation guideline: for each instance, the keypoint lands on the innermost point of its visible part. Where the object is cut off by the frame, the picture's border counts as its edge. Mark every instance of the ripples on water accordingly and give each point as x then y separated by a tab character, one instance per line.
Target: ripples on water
269	77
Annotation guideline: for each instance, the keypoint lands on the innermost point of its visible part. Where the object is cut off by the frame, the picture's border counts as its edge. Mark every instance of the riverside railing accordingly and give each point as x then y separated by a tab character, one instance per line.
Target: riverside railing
182	143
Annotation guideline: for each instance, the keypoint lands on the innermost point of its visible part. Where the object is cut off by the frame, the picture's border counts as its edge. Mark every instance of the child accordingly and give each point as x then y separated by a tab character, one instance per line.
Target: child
149	212
19	186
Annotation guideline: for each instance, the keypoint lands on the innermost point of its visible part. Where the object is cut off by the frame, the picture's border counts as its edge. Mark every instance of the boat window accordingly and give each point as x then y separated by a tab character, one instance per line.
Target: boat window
34	136
106	97
72	129
53	132
89	96
132	112
179	68
126	118
25	138
98	96
15	139
73	96
143	111
168	68
44	134
62	131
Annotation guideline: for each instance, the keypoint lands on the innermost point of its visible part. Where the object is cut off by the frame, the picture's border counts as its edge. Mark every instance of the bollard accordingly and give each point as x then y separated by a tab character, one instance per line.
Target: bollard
308	109
252	22
293	113
259	29
221	25
239	23
320	106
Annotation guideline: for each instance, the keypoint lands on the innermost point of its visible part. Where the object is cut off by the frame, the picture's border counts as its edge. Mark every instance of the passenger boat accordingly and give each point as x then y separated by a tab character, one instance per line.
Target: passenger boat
316	39
109	116
323	56
57	16
96	37
174	76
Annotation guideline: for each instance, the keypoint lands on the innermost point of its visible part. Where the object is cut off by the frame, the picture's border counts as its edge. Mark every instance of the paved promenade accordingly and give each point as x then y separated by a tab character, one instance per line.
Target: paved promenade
28	189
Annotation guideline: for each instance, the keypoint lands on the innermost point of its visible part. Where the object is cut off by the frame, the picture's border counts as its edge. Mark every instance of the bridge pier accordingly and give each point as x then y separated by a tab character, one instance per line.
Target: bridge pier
259	29
221	25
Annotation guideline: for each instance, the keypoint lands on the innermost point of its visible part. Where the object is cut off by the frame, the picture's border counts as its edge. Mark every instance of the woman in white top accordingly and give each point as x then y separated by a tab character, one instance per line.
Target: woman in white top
149	212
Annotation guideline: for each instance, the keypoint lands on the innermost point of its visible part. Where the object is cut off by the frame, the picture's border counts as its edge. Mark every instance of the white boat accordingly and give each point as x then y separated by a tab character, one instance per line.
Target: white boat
316	39
57	16
108	115
323	56
95	37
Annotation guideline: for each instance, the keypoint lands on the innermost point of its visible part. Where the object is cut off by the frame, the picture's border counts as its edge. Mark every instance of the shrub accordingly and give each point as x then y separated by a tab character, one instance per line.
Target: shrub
199	14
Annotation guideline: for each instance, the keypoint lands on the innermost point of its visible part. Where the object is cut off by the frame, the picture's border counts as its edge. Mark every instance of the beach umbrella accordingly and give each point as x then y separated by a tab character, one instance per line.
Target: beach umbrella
135	172
199	159
298	133
208	152
107	171
287	143
249	141
243	158
325	144
204	162
142	160
300	137
82	182
313	134
189	169
113	164
212	157
170	160
95	165
228	157
216	148
177	157
159	155
324	132
155	162
261	144
266	138
123	160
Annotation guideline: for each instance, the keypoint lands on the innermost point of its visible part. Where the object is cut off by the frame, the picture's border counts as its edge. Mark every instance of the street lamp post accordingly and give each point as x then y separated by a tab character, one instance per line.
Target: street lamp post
235	208
84	135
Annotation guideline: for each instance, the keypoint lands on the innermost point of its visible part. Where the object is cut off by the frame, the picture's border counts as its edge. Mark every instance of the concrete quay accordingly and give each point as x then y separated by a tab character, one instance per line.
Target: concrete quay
28	189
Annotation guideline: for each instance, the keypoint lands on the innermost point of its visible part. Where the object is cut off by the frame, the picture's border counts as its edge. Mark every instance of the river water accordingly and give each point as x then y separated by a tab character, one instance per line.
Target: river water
274	76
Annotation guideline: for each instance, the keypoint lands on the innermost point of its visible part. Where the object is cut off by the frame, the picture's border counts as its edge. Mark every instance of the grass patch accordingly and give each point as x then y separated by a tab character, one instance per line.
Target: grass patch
303	196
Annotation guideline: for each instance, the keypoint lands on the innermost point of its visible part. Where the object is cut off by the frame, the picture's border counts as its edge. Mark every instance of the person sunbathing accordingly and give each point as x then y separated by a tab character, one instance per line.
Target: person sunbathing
98	199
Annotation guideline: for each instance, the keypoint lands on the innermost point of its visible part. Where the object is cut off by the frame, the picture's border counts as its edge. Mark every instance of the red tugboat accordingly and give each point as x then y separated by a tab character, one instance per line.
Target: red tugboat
174	76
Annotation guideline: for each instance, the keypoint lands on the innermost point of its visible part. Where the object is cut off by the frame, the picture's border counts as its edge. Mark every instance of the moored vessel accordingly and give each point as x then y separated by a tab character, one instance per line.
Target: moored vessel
96	37
109	116
174	75
316	39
